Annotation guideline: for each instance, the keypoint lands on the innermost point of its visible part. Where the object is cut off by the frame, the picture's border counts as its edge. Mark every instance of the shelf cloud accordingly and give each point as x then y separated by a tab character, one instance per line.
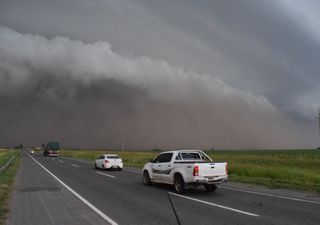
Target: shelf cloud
88	95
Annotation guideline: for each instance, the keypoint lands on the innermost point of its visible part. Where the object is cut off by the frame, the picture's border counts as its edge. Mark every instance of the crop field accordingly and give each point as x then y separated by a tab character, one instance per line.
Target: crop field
6	180
294	169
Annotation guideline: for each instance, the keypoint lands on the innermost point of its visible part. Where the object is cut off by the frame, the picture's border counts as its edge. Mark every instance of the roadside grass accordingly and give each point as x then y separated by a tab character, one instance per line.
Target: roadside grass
293	169
6	181
5	155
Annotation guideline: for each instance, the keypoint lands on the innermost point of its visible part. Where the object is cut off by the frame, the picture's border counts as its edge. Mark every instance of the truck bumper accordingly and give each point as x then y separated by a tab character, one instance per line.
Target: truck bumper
204	180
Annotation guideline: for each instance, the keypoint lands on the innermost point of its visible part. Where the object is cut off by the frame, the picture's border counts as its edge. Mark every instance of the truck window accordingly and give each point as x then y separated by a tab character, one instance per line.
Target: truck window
158	159
191	156
166	157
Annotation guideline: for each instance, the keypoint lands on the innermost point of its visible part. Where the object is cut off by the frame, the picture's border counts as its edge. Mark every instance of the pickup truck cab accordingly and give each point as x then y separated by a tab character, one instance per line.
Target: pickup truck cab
183	168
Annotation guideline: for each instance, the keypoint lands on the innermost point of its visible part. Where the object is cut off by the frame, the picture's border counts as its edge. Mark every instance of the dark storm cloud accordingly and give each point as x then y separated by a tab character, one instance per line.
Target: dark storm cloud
87	95
261	46
256	61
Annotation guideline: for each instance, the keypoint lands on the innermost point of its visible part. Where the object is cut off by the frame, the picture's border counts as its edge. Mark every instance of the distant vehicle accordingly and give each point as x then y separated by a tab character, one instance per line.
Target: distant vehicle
108	161
184	168
52	149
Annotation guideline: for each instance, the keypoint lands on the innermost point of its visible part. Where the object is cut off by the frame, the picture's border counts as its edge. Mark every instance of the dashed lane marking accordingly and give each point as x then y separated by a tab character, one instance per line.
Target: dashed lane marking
107	175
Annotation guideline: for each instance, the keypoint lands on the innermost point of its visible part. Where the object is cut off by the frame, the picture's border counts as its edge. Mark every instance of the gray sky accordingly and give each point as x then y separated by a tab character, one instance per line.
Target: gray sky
224	74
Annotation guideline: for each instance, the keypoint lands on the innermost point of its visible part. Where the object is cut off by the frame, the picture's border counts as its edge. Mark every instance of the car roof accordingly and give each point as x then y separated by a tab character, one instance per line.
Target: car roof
110	155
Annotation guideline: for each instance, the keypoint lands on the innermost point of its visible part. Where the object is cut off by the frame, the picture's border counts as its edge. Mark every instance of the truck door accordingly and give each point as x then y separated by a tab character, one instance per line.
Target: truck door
161	165
166	166
156	167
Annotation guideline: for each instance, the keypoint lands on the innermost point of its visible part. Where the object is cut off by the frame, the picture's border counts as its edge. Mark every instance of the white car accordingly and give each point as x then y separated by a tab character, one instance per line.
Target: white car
108	161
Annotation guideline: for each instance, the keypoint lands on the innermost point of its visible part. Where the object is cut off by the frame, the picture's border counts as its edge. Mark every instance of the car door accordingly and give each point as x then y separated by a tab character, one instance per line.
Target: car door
166	166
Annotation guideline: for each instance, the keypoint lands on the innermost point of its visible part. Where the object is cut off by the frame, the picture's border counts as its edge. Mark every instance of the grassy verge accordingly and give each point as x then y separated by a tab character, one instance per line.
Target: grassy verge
5	155
6	181
294	169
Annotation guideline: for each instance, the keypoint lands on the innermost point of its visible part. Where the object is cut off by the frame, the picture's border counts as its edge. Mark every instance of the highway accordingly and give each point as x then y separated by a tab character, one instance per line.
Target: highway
68	191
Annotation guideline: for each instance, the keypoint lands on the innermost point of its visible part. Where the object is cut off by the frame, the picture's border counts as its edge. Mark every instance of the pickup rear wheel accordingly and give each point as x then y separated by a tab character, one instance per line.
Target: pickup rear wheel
210	187
146	178
179	185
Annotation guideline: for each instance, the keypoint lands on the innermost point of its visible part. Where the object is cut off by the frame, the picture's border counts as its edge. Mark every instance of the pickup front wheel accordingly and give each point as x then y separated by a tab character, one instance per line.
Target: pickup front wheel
179	185
210	187
146	178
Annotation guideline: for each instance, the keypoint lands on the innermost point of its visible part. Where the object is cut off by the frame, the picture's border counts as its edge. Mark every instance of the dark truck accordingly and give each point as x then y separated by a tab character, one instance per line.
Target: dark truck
52	149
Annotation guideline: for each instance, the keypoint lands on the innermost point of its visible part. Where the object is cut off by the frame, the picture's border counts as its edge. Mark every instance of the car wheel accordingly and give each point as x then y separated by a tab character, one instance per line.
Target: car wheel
103	168
146	178
95	166
179	185
210	187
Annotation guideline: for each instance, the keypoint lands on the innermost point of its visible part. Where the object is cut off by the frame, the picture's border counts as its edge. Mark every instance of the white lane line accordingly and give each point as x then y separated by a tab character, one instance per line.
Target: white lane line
216	205
95	209
107	175
271	195
74	165
61	161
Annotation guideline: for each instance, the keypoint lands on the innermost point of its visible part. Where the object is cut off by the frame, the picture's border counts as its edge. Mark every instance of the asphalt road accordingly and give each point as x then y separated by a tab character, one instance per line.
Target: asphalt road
84	195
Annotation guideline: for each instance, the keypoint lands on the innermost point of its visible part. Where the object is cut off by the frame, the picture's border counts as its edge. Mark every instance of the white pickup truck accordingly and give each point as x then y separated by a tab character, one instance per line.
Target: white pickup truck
183	168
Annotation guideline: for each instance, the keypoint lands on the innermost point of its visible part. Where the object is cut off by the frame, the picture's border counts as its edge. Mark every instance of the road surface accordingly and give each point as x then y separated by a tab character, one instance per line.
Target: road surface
68	191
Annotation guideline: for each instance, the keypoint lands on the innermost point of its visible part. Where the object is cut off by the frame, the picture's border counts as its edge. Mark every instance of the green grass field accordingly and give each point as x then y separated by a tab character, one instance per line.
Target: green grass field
294	169
6	180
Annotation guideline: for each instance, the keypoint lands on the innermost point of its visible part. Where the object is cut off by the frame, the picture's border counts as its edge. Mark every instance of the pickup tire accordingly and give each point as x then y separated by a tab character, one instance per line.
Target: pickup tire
146	178
103	168
95	166
210	187
179	185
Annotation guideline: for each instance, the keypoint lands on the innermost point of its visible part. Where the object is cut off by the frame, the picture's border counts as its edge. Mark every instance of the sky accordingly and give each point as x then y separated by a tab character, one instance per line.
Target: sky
238	74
